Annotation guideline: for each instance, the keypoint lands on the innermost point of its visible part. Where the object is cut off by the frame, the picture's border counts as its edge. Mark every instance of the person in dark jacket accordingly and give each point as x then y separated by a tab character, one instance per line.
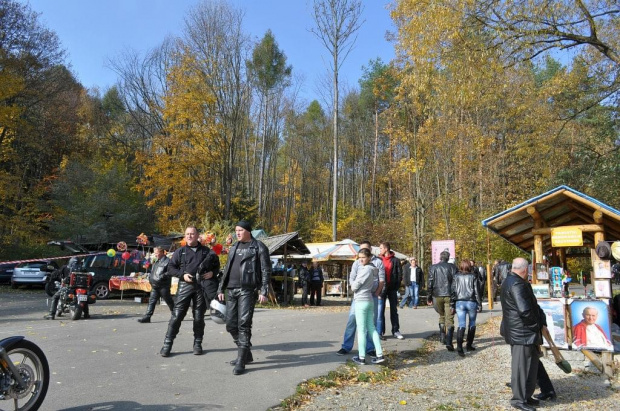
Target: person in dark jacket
316	283
160	284
188	264
466	300
248	269
520	328
500	272
406	268
440	277
304	281
393	276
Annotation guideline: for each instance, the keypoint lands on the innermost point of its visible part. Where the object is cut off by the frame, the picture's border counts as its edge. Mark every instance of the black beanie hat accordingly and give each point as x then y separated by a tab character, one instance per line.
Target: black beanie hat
245	225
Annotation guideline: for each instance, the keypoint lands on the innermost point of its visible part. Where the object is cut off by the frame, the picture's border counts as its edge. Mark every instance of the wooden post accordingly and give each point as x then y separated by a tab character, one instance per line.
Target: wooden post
490	285
538	240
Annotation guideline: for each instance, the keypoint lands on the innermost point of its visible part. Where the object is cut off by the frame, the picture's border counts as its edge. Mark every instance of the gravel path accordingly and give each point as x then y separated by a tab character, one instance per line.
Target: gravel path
435	379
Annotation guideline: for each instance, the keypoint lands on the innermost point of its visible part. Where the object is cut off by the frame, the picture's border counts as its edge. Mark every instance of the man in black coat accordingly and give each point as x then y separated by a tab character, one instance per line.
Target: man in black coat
440	277
160	284
521	329
248	269
187	264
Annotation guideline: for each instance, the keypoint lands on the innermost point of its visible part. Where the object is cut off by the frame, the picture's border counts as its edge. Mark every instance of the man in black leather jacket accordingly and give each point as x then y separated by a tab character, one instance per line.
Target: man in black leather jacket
160	284
439	288
187	265
521	329
248	269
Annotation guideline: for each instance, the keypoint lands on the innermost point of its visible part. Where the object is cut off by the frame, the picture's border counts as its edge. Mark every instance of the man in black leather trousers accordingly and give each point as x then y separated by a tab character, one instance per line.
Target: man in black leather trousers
160	284
248	269
520	328
188	264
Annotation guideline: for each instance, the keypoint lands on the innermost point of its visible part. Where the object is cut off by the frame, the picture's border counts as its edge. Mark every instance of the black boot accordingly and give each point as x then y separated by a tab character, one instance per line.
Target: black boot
471	333
240	365
449	336
145	319
197	346
442	334
460	333
248	359
165	350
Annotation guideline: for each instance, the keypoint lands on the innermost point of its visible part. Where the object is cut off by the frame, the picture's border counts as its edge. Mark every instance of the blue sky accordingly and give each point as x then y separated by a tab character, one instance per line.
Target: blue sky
94	31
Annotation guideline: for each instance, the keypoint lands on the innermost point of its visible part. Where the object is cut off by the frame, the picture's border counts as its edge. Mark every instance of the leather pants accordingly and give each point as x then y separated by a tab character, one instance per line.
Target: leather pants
187	292
156	293
239	313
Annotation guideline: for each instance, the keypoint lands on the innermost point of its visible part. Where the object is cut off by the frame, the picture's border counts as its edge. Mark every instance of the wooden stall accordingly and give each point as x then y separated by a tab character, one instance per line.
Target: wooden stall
552	226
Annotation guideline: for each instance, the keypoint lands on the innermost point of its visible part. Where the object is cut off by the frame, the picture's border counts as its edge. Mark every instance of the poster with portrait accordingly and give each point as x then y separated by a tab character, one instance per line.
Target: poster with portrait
541	272
556	321
591	325
437	246
602	288
602	269
556	279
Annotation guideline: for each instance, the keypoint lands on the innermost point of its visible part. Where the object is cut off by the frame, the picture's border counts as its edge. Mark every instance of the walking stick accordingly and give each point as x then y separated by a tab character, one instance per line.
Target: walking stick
559	360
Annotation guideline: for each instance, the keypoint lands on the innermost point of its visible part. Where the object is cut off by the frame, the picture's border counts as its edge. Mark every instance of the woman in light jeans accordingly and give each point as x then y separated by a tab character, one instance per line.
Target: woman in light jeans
465	298
364	307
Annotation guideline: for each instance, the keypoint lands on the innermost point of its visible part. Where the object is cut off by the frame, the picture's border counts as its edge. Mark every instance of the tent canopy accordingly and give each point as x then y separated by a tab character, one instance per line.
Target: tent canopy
560	207
345	250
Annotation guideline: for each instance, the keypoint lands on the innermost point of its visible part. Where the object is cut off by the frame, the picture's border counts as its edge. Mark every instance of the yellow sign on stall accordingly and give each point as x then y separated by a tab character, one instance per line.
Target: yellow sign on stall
566	237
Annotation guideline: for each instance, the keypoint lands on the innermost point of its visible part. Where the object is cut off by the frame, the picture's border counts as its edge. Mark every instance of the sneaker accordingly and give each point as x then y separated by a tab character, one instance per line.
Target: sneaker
342	351
358	360
372	353
383	337
398	335
378	360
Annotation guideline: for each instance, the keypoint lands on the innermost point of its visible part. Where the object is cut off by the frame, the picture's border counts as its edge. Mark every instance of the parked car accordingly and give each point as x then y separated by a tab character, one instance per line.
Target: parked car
31	273
6	272
103	267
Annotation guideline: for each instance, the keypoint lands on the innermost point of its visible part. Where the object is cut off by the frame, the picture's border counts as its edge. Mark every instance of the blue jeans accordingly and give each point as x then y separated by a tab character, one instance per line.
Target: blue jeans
364	313
464	309
413	293
349	331
406	296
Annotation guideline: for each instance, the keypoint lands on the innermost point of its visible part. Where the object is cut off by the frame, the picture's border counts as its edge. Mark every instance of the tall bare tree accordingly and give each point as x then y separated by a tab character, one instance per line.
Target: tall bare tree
337	22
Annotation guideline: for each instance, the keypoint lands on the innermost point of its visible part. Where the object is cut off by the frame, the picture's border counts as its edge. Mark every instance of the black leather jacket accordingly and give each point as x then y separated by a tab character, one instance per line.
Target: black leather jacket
255	268
521	318
465	288
440	277
159	273
500	272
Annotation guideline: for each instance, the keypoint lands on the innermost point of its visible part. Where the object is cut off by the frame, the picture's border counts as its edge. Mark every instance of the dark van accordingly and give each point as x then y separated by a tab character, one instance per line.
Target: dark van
103	268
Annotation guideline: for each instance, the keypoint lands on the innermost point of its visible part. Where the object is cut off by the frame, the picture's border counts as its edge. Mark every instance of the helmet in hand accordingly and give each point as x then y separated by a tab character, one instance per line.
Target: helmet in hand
218	312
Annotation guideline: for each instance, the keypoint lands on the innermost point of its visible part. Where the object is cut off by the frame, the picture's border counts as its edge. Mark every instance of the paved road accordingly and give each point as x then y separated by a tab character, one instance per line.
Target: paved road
111	362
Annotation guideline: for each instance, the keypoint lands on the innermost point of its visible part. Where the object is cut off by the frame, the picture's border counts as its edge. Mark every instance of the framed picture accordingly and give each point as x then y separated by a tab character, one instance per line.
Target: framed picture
602	288
591	325
602	269
541	290
556	278
541	272
556	321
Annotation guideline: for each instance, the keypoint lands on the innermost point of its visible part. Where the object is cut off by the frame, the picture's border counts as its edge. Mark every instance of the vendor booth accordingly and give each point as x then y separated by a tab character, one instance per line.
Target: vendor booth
554	226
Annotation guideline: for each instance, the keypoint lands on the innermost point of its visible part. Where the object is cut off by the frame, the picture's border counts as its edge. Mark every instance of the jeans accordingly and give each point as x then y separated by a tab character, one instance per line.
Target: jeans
391	296
349	331
406	296
364	313
415	293
464	309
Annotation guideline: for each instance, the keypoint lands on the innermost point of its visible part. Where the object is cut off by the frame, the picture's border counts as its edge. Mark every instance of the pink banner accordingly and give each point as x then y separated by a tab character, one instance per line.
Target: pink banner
442	245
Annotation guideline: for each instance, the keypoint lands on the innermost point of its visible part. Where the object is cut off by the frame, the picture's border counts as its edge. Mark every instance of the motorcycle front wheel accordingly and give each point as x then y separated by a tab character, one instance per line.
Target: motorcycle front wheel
34	369
76	312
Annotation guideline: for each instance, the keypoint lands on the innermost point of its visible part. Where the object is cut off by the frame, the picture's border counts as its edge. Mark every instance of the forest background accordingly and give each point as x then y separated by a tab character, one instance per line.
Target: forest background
486	104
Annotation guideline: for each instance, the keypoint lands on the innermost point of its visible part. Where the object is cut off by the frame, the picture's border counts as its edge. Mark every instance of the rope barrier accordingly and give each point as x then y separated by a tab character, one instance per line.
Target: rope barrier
48	258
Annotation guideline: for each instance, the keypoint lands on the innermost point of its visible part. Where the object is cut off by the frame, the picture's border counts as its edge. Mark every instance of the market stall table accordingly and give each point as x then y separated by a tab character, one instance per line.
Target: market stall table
135	283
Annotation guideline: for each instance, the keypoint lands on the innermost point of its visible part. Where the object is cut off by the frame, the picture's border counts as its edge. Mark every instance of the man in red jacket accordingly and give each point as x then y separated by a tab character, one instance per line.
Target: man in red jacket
393	275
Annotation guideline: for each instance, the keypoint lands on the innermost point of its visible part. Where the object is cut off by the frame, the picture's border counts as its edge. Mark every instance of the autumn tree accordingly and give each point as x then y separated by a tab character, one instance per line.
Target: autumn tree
270	74
337	22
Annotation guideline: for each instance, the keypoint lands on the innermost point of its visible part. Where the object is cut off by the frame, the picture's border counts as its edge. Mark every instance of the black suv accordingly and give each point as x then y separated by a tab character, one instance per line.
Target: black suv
103	268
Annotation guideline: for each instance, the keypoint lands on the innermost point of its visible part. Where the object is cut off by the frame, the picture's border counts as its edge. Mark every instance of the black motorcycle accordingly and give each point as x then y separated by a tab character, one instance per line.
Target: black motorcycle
24	374
74	296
